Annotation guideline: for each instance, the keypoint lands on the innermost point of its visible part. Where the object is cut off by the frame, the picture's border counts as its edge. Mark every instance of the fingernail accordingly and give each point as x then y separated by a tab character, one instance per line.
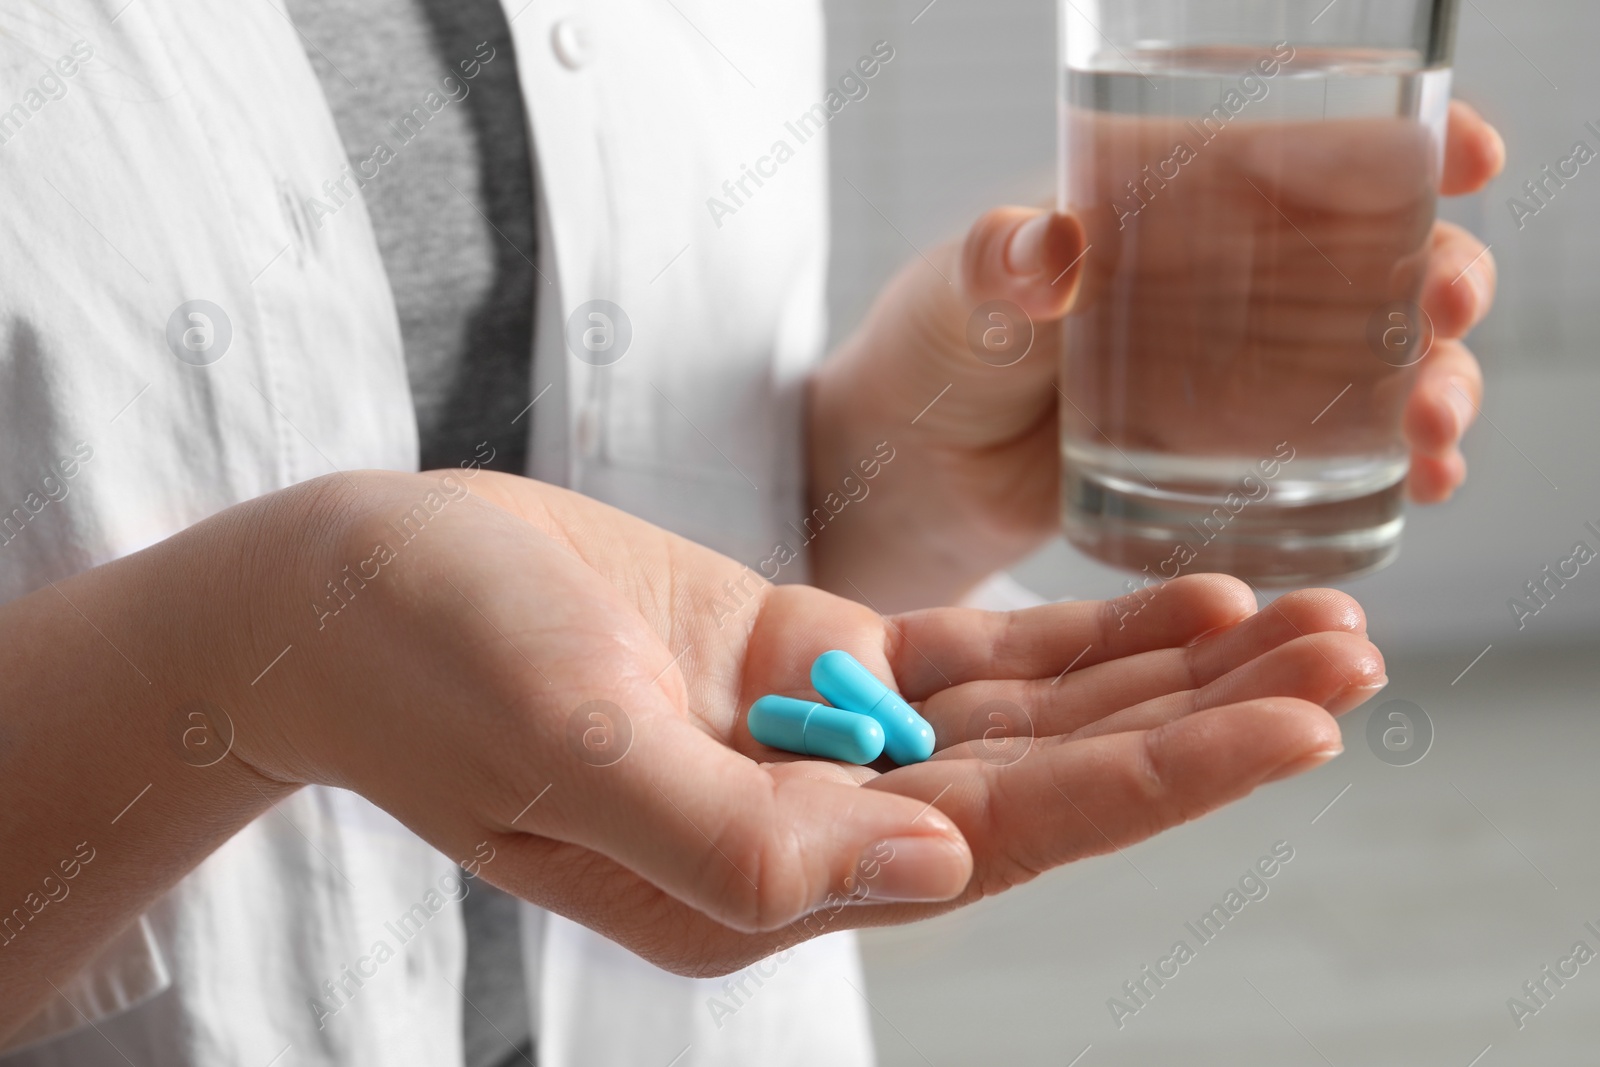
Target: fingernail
1303	764
1355	696
1025	253
910	870
1457	392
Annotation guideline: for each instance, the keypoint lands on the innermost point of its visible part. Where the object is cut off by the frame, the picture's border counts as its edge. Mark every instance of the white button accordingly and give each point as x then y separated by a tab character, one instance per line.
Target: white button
573	43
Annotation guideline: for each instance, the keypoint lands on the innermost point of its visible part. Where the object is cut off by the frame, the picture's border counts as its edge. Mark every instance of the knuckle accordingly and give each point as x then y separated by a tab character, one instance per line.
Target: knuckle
1150	783
757	875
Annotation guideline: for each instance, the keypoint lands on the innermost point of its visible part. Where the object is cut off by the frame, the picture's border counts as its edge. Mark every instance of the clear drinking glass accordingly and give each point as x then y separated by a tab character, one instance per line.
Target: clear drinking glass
1258	182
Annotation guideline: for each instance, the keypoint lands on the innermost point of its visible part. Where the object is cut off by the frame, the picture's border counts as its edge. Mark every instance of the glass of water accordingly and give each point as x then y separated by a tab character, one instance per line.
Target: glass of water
1258	182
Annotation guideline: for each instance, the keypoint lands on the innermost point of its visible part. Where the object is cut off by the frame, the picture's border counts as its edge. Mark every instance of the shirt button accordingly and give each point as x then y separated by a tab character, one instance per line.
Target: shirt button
573	43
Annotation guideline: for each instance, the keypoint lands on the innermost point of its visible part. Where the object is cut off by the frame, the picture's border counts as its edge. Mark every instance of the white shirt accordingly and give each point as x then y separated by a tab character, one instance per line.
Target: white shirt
169	159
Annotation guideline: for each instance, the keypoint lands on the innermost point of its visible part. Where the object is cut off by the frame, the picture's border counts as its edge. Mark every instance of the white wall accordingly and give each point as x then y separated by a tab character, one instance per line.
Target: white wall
963	119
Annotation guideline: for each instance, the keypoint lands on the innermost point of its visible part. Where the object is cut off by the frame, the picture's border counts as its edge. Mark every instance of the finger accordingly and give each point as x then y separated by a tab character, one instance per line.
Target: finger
1461	281
994	367
1065	800
611	900
751	848
1087	695
1434	481
933	650
1363	167
1196	770
1444	402
1373	165
1339	672
1029	257
1474	152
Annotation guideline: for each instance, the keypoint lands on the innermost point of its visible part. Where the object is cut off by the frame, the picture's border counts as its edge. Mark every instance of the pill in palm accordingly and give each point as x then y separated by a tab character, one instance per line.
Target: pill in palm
845	683
815	729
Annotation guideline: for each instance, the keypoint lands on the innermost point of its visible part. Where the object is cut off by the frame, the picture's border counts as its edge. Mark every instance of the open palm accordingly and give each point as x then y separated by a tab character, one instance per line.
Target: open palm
1064	731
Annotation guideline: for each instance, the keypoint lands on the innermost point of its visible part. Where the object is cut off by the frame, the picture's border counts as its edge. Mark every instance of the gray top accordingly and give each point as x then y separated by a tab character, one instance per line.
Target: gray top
426	99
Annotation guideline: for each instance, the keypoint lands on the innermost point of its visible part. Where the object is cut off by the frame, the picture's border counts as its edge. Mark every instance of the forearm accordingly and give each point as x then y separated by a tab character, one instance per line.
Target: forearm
113	784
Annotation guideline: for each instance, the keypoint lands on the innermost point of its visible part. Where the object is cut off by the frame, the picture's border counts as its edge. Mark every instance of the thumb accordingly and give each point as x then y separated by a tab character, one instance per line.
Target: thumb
754	848
1016	273
1030	257
980	335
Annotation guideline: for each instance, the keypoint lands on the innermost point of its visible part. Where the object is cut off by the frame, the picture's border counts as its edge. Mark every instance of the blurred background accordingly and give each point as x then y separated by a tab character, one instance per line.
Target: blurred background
1420	898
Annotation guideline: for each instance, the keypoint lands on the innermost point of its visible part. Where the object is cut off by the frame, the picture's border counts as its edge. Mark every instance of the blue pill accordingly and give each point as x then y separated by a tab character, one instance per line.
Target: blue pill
845	683
814	729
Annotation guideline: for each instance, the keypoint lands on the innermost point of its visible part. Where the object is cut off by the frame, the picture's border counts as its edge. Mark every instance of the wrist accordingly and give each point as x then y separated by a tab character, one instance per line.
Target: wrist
898	534
285	649
351	621
977	487
220	595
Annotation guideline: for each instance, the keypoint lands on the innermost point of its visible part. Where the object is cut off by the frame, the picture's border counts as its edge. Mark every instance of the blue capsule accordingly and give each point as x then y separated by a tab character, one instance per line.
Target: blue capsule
845	683
814	729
